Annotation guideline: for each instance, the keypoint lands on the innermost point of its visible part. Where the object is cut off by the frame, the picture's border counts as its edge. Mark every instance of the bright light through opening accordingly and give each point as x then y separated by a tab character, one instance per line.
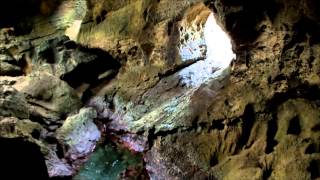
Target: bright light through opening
219	48
218	54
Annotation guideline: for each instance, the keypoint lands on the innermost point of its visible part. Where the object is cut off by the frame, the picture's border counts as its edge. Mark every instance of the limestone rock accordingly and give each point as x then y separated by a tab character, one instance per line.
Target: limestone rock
140	68
9	66
13	103
58	167
79	133
61	57
15	128
50	98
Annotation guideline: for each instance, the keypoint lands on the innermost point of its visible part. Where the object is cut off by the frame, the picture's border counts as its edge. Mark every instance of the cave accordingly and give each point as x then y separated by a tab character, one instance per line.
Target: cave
142	89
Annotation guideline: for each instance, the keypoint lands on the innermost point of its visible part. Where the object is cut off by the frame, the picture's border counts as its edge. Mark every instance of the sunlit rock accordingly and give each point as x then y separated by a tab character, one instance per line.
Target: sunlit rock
79	133
73	31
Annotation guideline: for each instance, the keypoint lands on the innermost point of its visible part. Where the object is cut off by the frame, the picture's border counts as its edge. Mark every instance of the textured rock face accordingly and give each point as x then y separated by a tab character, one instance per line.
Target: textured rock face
13	103
79	133
51	98
130	75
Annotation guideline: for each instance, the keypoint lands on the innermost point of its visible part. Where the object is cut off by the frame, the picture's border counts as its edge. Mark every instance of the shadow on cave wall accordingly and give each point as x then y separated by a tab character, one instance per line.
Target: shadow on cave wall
20	158
89	72
240	24
19	13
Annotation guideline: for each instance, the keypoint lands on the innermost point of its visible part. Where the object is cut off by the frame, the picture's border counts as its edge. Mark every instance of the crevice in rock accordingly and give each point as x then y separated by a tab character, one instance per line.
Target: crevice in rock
217	124
86	95
266	174
59	147
248	119
195	127
147	49
35	134
280	77
43	37
311	148
314	169
271	133
101	17
50	140
151	137
37	118
294	126
172	52
24	64
316	128
234	122
305	91
213	160
48	55
170	25
60	150
179	67
33	102
299	50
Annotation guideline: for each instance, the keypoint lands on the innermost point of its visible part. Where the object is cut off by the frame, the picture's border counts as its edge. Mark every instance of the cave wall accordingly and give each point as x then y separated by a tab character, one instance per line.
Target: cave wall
259	120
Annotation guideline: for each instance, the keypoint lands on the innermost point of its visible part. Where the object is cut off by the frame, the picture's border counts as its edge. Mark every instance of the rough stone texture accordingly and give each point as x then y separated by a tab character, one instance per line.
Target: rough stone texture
58	167
8	65
49	97
65	59
79	134
12	102
13	128
259	119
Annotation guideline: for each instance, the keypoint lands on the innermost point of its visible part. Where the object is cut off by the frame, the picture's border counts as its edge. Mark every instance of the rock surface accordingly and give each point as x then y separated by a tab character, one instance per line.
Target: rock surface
138	74
79	133
49	97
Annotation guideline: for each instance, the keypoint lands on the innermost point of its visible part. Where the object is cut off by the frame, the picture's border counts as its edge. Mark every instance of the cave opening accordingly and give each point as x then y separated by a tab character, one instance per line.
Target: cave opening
21	158
203	40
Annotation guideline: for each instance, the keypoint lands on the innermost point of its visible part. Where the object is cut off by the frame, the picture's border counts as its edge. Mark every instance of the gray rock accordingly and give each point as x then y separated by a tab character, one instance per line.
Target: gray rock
79	133
49	97
13	103
58	167
9	66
